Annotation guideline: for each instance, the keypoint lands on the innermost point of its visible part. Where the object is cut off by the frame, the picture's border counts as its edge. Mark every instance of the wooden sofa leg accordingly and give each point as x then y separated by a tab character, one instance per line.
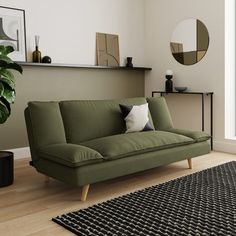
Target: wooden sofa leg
47	179
84	194
190	166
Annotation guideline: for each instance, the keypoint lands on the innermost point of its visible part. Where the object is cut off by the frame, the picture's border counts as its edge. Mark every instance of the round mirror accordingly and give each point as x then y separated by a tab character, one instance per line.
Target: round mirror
189	42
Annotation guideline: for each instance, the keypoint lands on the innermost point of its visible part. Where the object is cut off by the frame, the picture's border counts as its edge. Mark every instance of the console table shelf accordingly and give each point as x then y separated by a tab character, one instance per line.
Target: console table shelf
82	66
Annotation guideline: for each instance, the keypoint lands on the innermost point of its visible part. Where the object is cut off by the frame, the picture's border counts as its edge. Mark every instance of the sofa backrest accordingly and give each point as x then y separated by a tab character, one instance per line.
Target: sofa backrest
88	119
83	120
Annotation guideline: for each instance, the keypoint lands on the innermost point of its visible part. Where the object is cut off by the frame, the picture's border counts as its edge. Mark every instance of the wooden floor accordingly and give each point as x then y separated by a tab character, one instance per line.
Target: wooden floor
26	207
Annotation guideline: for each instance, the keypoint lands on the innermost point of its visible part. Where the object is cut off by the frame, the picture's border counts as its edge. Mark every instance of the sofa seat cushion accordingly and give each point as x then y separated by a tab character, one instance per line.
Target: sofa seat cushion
122	145
71	155
198	136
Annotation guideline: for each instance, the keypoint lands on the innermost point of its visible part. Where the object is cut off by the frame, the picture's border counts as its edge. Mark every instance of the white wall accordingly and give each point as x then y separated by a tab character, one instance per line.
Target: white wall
68	29
162	16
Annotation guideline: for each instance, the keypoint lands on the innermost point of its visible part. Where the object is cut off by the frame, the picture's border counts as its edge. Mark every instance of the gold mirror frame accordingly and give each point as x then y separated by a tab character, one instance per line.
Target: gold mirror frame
189	41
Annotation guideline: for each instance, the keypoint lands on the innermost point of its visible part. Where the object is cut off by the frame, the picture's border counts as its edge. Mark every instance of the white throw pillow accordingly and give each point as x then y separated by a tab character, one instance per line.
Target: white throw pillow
136	118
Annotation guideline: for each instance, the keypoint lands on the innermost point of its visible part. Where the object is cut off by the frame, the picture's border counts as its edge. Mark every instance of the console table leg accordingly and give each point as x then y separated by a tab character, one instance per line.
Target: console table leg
211	121
203	113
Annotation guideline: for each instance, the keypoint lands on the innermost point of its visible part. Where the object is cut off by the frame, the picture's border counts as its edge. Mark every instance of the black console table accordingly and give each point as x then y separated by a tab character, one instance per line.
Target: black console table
202	94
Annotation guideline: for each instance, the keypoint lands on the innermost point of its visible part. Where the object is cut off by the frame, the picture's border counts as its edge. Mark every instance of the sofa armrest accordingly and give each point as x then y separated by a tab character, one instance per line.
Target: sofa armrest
198	136
71	155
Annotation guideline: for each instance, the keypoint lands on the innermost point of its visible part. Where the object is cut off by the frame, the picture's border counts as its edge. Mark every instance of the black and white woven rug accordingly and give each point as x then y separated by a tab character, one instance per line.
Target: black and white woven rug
202	203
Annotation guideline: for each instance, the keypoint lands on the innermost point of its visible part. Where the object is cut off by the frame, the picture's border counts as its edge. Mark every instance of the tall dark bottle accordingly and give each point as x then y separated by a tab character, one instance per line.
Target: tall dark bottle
37	53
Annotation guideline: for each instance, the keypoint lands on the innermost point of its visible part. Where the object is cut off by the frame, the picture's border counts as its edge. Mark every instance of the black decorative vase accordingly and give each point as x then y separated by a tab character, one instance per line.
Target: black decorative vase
129	62
46	59
169	83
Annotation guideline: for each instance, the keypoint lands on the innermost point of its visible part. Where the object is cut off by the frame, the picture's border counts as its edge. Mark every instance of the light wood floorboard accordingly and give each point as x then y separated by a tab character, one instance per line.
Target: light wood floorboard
26	207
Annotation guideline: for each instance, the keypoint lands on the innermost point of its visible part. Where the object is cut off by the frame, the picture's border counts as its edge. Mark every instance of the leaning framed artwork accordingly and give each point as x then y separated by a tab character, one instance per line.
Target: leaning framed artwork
12	31
107	49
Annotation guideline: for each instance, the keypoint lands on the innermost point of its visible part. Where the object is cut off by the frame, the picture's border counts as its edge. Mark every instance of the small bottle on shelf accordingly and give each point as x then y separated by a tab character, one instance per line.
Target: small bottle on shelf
37	53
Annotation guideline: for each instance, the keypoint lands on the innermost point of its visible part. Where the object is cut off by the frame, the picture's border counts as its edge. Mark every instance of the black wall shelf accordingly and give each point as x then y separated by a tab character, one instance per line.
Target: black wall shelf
82	66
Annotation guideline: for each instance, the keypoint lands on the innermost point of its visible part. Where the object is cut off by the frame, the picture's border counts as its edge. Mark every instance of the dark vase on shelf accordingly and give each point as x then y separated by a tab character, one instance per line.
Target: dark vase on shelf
129	62
37	53
46	59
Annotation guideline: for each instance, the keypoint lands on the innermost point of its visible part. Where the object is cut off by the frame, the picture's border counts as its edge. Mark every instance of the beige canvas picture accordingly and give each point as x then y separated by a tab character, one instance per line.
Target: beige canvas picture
107	49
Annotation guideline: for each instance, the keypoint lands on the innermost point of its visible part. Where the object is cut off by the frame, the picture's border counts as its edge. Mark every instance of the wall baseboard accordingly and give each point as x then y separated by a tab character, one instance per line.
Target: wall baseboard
20	153
224	147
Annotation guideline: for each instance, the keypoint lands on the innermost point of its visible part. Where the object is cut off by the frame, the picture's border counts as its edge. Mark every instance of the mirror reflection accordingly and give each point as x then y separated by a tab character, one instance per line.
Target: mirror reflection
189	42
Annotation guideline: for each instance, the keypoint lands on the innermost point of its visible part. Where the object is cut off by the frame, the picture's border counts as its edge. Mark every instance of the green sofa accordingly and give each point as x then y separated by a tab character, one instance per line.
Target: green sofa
84	142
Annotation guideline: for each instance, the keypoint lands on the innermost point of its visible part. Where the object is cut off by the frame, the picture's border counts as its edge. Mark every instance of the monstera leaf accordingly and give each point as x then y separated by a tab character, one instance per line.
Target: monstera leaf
4	113
7	82
5	50
7	77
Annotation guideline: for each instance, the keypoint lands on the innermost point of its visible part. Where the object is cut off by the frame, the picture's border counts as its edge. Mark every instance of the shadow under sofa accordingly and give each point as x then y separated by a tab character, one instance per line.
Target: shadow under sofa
84	142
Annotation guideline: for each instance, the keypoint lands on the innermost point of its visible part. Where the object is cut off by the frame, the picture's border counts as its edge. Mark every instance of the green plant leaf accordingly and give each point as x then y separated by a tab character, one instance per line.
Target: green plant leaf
8	49
7	82
5	50
2	48
9	95
7	77
13	66
3	64
1	88
4	113
5	58
7	104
